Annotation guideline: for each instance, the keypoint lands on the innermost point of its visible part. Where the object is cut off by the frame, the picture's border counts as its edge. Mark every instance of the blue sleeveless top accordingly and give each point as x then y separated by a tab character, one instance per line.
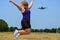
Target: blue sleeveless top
26	15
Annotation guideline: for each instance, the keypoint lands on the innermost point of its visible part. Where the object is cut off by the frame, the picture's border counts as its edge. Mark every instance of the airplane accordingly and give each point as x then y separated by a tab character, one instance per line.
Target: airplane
42	7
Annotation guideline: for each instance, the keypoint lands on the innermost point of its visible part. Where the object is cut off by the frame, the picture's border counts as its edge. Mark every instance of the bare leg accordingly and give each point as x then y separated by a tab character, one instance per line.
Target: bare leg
25	32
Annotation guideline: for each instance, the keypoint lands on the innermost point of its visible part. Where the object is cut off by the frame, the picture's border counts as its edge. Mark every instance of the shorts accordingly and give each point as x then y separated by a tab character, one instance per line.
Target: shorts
25	24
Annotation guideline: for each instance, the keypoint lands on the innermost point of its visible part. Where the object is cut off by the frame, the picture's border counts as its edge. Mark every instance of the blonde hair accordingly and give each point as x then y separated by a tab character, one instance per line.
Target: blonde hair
24	3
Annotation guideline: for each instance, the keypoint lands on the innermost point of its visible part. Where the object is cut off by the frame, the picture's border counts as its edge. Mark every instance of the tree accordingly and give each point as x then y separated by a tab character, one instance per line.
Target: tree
3	26
12	29
32	30
53	30
37	30
41	30
58	30
47	30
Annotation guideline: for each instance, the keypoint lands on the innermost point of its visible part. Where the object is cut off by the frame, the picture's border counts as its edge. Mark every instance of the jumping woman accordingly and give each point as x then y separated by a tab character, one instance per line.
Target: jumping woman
24	7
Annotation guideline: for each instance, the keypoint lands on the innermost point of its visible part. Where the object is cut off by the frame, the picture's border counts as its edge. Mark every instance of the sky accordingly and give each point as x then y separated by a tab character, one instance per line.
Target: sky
40	19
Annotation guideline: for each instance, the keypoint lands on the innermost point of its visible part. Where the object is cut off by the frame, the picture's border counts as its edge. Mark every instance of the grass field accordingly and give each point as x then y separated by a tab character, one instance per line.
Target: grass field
32	36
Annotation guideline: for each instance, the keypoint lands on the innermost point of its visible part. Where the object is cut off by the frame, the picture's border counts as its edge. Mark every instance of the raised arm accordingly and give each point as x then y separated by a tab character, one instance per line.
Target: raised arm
19	7
30	4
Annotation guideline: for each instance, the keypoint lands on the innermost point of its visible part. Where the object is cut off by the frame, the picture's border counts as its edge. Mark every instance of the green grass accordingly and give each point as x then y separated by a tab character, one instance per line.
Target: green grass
32	36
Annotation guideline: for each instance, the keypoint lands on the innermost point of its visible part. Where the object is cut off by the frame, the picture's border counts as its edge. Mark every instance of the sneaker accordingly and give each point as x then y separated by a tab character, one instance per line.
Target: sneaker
16	34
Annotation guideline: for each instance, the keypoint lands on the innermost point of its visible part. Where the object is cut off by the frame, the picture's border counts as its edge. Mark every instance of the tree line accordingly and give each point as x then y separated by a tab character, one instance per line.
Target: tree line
53	30
5	28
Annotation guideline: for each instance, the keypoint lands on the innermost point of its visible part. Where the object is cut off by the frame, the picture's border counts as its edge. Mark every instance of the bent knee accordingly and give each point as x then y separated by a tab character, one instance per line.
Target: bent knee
28	31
